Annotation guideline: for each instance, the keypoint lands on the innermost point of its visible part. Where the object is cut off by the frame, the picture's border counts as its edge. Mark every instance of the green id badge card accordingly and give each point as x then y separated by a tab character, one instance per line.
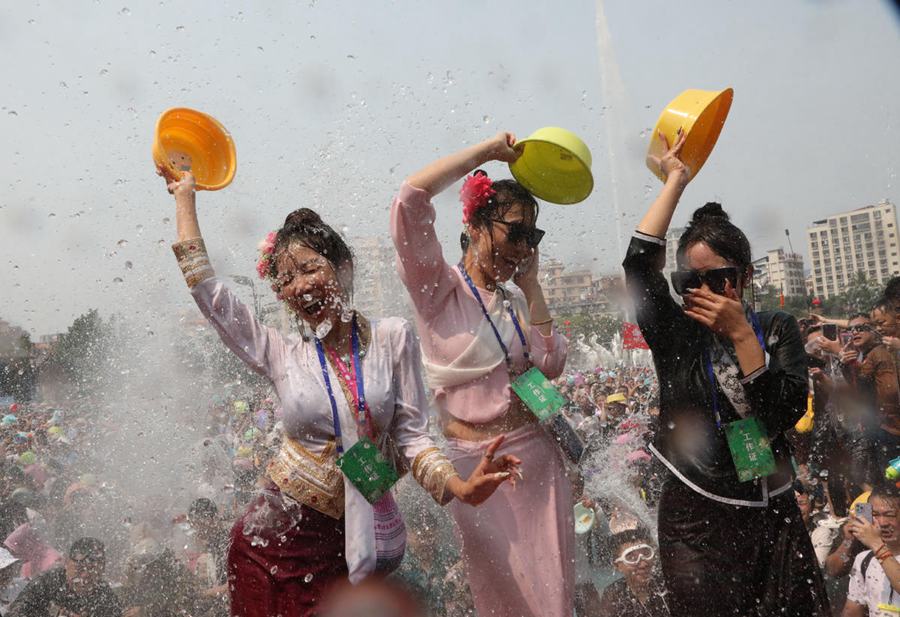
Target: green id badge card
538	394
368	470
750	450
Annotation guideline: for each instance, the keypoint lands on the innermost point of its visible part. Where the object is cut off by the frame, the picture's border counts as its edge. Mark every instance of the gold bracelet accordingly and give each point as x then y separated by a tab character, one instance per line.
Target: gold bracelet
193	261
542	323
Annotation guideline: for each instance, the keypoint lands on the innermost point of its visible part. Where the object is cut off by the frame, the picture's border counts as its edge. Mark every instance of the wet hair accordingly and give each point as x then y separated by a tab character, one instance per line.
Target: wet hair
892	289
865	316
508	193
202	508
629	536
882	304
11	473
88	548
307	228
711	225
886	490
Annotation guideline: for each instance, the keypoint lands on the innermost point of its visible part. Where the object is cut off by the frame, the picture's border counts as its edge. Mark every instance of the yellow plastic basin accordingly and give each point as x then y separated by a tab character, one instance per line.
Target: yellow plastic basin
555	166
189	140
702	114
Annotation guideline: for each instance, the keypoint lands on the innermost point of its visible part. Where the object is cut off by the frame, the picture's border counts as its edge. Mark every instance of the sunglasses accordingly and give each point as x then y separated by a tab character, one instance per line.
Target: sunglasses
860	328
636	554
517	231
684	280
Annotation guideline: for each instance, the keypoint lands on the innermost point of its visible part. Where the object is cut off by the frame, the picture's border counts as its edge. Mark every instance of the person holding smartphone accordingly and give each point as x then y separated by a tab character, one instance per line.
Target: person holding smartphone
875	577
732	540
870	367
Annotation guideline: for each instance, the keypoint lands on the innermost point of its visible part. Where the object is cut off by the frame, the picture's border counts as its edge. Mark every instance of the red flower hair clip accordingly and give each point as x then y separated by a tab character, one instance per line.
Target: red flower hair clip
475	193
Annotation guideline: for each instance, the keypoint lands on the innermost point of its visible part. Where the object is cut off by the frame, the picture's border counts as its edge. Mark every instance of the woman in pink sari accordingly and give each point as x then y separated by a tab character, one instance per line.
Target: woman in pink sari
36	555
477	336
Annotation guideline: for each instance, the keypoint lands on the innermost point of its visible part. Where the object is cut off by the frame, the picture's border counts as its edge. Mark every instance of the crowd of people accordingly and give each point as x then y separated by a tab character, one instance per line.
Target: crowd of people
77	542
752	470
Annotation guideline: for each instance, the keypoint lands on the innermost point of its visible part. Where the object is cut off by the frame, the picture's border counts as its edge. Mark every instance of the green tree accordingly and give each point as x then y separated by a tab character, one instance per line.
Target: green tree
81	353
769	299
861	294
605	326
17	372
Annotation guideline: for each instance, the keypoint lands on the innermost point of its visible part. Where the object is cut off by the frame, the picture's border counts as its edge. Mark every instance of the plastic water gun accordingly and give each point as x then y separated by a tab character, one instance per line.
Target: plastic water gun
893	470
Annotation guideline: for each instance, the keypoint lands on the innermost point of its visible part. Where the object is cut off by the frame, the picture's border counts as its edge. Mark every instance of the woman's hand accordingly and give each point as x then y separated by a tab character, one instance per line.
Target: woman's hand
723	314
864	531
487	477
526	275
184	186
501	148
670	163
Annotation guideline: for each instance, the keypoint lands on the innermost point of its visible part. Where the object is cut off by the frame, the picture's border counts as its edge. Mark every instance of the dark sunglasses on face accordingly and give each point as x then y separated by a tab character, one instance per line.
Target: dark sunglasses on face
684	280
860	328
517	231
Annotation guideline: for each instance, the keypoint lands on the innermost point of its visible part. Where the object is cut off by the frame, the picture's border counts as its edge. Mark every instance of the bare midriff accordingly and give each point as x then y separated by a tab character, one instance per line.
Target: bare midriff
515	417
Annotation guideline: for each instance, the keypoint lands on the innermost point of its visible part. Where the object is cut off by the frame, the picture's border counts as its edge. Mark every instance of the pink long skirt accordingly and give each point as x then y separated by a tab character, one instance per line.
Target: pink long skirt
519	545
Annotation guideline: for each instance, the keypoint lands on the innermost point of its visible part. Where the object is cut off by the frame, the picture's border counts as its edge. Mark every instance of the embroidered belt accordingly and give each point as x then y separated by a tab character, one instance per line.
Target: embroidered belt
313	480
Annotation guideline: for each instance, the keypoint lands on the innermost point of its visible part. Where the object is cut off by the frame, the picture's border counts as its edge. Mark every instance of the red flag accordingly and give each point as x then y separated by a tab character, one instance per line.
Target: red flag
632	337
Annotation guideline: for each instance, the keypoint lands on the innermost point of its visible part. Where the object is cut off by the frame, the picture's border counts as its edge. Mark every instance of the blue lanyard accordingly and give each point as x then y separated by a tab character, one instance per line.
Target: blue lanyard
487	316
360	388
710	375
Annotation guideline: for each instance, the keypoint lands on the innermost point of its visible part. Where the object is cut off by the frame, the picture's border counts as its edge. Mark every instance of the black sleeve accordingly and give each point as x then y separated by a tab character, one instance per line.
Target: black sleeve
777	393
33	601
112	607
658	315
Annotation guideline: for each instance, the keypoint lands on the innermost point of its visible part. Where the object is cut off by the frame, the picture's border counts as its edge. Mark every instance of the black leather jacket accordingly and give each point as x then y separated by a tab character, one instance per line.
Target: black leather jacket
687	440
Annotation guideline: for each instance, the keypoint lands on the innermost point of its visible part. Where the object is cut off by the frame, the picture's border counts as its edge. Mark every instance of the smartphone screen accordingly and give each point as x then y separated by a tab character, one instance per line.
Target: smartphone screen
830	331
864	510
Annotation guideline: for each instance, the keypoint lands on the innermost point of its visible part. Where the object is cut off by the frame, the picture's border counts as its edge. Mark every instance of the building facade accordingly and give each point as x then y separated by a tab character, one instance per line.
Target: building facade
863	240
781	270
570	292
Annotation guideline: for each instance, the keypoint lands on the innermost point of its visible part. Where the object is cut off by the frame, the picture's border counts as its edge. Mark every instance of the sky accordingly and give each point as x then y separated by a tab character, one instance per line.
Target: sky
332	103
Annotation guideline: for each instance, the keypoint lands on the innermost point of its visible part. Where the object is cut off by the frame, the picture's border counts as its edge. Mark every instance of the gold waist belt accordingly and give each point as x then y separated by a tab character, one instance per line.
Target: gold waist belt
314	481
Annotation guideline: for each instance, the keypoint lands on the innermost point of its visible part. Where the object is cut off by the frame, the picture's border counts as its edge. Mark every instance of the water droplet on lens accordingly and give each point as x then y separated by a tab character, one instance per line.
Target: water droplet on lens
128	265
308	578
122	242
118	279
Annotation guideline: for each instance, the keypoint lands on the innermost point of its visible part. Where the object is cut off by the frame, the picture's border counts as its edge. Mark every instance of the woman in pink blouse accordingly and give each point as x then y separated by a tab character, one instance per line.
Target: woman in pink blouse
518	547
311	526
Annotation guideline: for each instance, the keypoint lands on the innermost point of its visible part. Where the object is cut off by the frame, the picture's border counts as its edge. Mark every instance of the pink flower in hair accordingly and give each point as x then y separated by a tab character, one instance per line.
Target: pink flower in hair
475	193
266	252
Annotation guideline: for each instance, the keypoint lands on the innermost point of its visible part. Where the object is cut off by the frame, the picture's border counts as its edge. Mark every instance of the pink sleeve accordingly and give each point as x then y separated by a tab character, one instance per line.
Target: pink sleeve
237	326
549	352
420	260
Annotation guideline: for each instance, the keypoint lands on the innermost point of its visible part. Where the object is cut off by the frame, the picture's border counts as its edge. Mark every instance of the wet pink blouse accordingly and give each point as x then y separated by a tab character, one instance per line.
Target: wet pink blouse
447	314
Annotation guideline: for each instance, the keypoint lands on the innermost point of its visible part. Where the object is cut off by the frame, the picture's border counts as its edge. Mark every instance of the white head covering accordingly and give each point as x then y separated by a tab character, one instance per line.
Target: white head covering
6	559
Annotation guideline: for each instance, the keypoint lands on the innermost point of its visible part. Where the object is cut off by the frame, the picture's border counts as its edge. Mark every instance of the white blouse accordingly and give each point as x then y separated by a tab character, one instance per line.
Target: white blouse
394	389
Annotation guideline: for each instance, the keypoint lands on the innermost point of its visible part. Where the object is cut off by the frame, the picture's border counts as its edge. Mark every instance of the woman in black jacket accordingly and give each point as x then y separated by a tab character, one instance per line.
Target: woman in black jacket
730	543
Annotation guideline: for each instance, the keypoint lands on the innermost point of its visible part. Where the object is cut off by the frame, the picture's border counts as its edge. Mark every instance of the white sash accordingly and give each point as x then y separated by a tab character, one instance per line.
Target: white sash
483	354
